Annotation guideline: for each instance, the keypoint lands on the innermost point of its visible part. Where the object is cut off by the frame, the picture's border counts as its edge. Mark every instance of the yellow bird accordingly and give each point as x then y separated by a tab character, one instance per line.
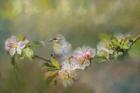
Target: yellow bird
61	48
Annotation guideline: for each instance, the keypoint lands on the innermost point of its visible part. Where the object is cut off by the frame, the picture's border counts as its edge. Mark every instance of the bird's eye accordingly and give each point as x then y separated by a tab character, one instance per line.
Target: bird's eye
55	39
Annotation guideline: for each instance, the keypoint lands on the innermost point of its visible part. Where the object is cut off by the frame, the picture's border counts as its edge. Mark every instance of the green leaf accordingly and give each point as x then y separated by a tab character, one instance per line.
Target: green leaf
55	63
125	46
50	74
115	43
51	77
28	52
49	67
21	37
14	59
37	44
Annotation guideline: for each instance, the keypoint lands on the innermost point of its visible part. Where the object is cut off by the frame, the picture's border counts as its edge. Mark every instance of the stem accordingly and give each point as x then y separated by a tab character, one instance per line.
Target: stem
135	40
44	59
16	71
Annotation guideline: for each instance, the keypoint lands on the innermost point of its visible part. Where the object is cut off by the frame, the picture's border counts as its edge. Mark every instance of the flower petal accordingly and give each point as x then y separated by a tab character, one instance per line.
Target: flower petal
21	44
19	50
12	51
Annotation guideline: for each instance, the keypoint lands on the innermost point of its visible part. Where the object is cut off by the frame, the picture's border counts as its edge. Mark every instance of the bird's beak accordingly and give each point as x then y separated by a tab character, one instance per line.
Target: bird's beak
50	40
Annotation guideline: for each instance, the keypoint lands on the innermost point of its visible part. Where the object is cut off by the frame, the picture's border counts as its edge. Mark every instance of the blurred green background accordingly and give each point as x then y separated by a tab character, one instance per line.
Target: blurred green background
82	22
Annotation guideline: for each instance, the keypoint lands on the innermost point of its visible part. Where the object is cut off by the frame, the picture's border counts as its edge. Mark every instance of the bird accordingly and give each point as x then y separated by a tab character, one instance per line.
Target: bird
61	48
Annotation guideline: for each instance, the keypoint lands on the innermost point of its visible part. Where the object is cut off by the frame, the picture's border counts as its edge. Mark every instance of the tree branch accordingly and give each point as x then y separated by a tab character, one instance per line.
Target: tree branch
44	59
135	40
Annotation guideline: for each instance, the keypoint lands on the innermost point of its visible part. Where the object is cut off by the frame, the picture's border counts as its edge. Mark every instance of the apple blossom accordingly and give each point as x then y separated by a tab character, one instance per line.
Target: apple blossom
13	45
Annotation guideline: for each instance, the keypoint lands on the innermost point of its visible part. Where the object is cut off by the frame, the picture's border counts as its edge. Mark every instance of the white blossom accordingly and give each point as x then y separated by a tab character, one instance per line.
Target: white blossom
13	45
103	50
67	76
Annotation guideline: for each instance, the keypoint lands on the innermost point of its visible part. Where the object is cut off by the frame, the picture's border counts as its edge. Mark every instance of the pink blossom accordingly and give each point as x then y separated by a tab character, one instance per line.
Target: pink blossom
84	53
82	56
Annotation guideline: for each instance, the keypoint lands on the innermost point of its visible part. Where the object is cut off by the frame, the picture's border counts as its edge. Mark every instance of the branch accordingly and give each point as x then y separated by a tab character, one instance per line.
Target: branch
136	39
44	59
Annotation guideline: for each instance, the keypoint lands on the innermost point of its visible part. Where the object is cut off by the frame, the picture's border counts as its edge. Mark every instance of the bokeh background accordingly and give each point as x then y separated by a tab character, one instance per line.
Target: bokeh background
82	22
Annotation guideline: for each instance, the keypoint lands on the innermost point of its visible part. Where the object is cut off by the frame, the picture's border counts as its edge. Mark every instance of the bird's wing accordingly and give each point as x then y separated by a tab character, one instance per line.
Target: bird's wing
67	49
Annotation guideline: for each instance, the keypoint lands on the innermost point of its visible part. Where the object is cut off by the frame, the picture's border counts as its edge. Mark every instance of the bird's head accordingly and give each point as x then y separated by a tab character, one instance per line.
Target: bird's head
58	39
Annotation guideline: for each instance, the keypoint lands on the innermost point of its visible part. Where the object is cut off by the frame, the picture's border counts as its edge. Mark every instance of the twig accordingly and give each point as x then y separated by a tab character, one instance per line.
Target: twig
135	40
16	70
44	59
